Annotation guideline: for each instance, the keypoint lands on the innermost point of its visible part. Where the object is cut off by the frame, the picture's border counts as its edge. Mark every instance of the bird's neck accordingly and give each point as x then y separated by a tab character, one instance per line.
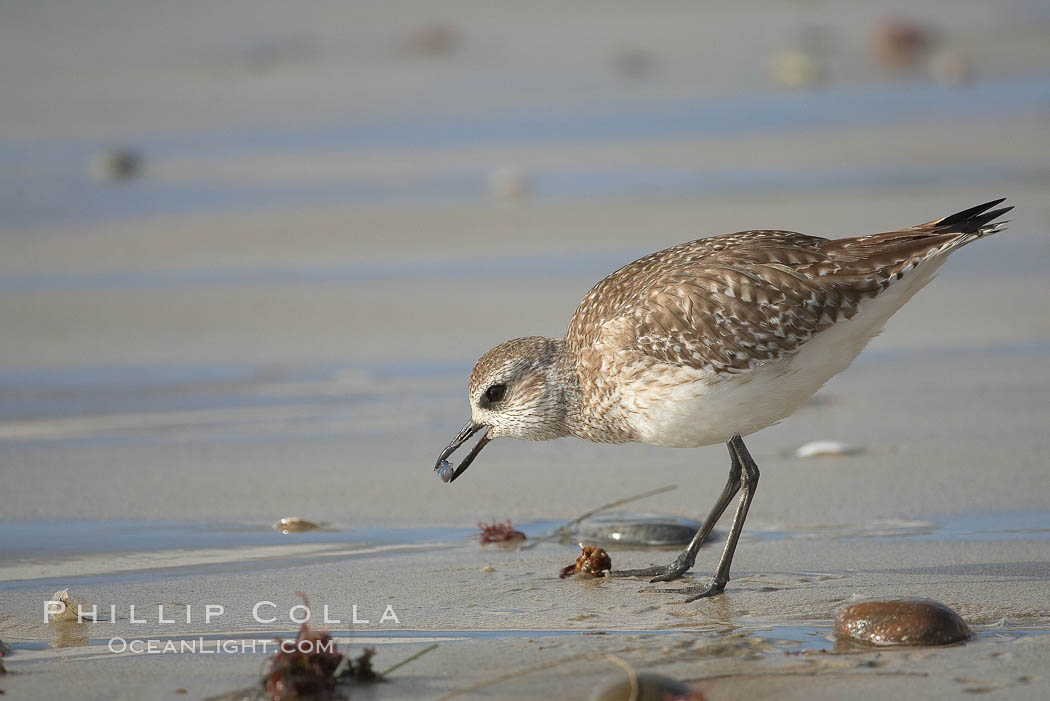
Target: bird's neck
591	408
563	384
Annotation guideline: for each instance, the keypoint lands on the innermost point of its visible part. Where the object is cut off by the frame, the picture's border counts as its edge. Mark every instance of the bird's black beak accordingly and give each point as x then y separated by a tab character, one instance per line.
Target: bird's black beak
444	468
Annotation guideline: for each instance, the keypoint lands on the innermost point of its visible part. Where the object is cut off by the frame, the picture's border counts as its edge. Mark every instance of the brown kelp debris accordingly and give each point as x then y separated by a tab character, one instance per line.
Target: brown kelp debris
360	669
496	532
592	560
297	672
311	667
900	622
305	669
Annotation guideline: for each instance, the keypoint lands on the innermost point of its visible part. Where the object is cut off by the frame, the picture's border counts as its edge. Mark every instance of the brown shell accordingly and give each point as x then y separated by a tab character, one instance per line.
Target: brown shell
900	622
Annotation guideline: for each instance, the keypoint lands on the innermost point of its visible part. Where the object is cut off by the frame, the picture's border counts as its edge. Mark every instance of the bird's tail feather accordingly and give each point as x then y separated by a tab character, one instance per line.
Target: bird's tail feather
974	222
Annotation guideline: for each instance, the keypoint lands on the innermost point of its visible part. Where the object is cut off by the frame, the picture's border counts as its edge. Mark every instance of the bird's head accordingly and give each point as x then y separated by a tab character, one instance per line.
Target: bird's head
517	389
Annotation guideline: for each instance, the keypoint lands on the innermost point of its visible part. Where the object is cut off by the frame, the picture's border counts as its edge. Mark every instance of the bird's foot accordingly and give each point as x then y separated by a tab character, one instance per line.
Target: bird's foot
713	589
661	573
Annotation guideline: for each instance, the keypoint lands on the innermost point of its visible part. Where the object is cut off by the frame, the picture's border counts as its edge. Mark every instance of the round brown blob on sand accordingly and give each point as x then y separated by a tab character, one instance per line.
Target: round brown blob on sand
647	687
900	622
294	524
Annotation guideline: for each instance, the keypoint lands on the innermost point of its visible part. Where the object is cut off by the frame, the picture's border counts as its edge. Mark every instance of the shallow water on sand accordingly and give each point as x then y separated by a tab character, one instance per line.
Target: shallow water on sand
780	639
49	540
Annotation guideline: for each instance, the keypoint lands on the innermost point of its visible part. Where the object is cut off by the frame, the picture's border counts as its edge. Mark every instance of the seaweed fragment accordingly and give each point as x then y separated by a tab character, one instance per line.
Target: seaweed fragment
361	669
496	532
309	668
592	561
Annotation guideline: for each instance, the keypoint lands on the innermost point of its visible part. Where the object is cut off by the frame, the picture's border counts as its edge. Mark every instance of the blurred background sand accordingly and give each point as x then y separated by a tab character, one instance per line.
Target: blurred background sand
331	210
249	252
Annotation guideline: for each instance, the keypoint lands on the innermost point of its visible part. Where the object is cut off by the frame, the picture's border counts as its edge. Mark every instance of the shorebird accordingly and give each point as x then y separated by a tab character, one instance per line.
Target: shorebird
707	342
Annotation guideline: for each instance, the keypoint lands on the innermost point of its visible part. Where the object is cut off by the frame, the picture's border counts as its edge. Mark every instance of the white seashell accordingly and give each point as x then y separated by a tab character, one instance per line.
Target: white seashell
821	449
70	611
507	181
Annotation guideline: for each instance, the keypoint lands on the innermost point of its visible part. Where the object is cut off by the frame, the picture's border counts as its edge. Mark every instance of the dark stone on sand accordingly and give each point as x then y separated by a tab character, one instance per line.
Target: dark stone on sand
639	531
117	164
900	622
651	687
631	62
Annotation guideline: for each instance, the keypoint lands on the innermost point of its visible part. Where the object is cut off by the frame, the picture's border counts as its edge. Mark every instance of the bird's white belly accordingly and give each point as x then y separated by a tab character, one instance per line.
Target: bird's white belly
687	407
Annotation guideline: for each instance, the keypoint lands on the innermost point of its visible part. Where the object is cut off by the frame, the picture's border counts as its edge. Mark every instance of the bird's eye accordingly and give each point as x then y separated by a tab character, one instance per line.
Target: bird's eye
495	393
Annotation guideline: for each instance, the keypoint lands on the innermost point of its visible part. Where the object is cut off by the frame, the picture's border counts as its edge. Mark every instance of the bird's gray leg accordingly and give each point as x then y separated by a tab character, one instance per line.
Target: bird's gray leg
748	485
685	559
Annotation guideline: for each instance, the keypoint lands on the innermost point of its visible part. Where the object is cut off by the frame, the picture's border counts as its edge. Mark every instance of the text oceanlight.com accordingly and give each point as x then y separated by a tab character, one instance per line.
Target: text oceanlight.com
200	646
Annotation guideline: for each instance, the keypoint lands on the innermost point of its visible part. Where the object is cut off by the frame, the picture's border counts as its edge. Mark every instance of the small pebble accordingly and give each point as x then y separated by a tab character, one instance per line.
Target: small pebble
431	41
632	62
508	181
294	524
445	471
269	54
824	449
116	164
899	43
797	69
900	622
651	687
949	68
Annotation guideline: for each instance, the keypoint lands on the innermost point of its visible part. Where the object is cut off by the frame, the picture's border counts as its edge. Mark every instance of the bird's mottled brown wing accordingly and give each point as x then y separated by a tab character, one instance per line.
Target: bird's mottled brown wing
728	302
720	303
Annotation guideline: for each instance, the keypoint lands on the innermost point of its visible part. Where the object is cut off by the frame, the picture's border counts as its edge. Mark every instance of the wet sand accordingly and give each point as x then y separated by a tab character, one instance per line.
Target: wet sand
279	319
